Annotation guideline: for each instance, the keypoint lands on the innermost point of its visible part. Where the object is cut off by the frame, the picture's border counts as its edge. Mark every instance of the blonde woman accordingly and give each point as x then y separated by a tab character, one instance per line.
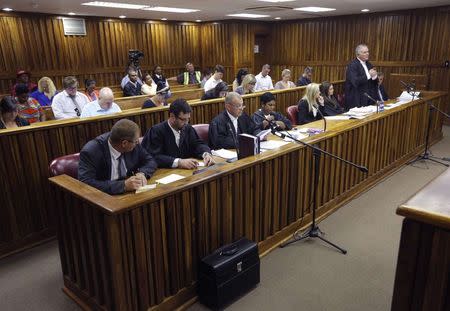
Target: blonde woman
285	82
248	85
309	107
45	92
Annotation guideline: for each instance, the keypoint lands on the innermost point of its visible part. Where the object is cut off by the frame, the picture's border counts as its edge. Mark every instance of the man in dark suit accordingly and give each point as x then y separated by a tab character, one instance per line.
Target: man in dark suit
174	143
114	162
382	95
133	87
360	78
225	127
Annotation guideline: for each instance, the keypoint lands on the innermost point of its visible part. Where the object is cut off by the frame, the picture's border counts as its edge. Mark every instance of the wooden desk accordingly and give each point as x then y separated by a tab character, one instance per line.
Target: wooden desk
140	251
27	215
422	280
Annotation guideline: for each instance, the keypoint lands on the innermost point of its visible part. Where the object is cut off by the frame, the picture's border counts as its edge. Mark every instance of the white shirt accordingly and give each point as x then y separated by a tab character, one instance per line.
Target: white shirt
263	83
115	162
234	120
363	63
177	135
64	107
93	109
211	83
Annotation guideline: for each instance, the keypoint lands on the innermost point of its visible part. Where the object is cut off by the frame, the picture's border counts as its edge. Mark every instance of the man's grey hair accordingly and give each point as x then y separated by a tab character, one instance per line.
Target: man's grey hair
105	92
231	96
359	48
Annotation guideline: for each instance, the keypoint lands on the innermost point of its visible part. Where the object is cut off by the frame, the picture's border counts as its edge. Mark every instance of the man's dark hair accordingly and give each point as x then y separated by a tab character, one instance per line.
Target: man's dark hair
179	105
21	89
8	104
266	97
219	68
123	129
240	75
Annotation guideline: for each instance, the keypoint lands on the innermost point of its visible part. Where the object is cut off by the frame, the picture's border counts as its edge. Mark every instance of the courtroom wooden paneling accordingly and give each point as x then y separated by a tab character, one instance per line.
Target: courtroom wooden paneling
153	240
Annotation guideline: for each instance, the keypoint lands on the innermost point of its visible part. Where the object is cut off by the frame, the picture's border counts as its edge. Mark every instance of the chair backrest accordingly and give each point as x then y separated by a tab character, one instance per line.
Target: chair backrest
65	165
292	112
341	99
202	131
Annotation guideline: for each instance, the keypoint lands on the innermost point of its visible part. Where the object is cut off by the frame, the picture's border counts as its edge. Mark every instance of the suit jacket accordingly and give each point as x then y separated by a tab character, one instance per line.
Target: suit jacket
356	84
384	95
160	142
258	117
304	115
303	81
222	133
95	165
331	107
131	90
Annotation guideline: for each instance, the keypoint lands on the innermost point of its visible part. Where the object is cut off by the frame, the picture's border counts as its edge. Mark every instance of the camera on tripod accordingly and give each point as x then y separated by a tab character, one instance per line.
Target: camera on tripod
134	58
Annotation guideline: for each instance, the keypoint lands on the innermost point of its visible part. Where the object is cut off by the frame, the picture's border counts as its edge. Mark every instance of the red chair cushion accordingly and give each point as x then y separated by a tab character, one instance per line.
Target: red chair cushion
202	131
65	165
292	112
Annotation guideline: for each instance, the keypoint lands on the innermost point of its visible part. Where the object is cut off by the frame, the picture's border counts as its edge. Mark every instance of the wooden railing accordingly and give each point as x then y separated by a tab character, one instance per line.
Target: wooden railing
140	251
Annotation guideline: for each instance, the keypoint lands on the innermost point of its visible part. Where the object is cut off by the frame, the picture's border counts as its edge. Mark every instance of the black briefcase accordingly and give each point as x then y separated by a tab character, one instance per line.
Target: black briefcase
229	272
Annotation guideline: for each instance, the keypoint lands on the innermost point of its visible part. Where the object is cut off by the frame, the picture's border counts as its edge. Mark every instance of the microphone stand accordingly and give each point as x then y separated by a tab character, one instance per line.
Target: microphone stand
426	154
374	100
314	231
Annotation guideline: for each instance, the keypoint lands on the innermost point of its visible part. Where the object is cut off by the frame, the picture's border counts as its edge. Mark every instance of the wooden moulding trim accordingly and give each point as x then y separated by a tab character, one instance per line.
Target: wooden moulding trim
424	216
31	240
112	205
379	63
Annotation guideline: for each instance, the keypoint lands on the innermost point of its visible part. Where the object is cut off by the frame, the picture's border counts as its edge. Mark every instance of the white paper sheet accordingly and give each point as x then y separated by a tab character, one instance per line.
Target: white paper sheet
170	178
146	188
340	117
272	144
226	154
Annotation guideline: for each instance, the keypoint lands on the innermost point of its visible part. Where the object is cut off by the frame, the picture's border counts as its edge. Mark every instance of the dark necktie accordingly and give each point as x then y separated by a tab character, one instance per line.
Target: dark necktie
121	169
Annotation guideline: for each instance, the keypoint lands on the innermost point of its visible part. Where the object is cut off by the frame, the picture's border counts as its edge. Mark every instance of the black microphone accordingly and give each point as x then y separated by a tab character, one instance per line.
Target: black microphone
408	86
323	118
375	101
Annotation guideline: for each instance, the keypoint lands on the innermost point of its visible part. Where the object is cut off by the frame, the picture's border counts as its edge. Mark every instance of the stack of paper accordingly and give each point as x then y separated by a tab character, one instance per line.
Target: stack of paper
295	134
337	118
272	144
168	179
226	154
361	112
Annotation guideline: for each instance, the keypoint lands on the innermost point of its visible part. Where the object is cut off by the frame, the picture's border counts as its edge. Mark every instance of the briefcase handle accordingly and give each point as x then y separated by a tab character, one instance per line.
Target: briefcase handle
228	251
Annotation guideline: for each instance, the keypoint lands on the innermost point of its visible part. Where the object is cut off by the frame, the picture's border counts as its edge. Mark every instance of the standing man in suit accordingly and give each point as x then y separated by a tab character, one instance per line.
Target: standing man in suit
114	162
174	143
225	127
360	78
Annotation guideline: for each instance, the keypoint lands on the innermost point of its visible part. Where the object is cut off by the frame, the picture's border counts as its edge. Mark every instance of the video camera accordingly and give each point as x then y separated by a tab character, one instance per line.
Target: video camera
134	56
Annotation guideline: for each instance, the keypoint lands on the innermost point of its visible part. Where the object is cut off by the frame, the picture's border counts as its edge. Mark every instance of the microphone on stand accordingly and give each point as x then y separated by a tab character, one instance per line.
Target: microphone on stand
408	86
375	101
323	118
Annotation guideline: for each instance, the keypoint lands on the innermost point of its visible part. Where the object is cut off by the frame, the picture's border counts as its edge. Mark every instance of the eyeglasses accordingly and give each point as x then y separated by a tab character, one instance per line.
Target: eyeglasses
136	142
71	88
238	106
184	119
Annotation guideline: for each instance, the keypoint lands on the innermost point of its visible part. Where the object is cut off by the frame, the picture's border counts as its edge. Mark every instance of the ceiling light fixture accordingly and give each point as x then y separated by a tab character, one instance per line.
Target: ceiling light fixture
198	20
277	18
71	13
365	10
7	9
171	10
163	19
122	16
314	9
247	15
129	6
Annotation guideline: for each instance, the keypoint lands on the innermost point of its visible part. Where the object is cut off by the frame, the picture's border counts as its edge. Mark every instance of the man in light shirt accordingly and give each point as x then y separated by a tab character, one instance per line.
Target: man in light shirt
115	162
263	80
215	79
361	78
69	103
102	106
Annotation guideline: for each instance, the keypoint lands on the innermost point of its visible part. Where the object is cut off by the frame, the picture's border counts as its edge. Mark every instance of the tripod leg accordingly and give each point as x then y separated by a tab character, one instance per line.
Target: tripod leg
436	161
343	251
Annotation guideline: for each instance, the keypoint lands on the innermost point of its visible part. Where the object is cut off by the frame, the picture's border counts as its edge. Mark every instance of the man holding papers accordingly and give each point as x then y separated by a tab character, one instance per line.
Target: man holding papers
114	162
174	143
224	128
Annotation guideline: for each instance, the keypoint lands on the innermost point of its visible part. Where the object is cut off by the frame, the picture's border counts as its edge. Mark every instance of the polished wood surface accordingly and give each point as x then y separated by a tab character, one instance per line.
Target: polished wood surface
422	279
140	251
26	217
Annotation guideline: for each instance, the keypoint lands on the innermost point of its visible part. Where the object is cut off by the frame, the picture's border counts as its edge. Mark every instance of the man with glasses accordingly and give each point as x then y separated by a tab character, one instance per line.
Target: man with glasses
133	87
69	103
225	127
174	143
115	162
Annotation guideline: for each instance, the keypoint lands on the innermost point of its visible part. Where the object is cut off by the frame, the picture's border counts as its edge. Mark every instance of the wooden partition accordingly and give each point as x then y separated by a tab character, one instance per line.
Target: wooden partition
26	215
140	251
